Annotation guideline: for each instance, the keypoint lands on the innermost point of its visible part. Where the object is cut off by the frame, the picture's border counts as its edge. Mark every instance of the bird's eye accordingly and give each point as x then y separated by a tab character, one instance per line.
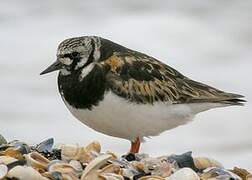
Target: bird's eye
74	54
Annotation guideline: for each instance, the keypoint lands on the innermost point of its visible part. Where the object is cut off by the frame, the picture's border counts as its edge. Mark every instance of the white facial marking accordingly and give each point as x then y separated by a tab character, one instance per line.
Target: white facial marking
86	70
66	61
97	52
65	72
81	63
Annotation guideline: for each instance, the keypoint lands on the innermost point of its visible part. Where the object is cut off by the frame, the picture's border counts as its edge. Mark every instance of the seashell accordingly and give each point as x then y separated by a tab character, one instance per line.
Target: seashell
94	146
202	163
7	160
82	154
74	152
218	173
25	173
14	149
22	147
12	152
138	165
36	160
45	146
151	178
111	168
249	177
111	176
157	166
243	173
184	173
113	154
3	170
91	171
76	165
57	165
66	170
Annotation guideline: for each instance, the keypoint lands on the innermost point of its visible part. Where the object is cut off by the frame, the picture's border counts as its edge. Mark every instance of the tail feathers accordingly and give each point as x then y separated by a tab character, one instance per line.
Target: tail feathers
239	102
233	99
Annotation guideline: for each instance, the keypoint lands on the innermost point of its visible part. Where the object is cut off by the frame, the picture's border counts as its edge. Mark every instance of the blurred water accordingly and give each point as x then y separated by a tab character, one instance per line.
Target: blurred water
209	41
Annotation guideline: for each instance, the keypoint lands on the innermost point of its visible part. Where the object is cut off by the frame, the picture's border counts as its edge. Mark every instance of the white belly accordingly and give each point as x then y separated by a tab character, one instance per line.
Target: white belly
117	117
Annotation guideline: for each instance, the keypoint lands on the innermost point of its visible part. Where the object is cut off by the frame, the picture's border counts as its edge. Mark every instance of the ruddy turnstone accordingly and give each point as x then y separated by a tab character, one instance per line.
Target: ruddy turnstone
128	94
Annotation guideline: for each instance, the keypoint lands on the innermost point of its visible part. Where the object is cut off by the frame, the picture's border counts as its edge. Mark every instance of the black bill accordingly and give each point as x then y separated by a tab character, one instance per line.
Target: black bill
57	65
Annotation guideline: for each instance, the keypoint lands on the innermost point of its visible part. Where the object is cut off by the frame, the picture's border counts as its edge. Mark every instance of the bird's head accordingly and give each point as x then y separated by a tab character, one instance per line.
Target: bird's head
75	53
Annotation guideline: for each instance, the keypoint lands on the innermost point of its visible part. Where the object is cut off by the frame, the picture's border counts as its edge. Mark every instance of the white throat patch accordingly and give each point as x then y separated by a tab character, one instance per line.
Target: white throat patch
86	70
65	72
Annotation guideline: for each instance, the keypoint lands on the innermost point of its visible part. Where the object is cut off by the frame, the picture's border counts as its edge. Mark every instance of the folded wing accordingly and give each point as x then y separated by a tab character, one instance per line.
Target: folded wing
143	79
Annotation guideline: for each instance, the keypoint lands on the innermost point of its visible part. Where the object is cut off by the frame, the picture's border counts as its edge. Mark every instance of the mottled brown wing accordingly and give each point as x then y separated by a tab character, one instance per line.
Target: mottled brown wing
143	79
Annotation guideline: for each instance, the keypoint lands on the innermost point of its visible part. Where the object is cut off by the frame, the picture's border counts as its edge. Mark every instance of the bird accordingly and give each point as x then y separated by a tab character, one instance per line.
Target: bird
127	94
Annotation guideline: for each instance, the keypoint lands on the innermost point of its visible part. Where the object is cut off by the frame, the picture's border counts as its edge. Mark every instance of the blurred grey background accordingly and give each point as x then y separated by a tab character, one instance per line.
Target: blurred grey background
209	41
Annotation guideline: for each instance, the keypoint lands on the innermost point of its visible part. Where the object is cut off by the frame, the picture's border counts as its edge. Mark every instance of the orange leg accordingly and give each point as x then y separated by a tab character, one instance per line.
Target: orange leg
135	146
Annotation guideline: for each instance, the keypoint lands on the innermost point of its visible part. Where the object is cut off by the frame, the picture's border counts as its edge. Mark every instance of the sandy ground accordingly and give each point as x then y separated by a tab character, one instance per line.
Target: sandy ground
207	41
